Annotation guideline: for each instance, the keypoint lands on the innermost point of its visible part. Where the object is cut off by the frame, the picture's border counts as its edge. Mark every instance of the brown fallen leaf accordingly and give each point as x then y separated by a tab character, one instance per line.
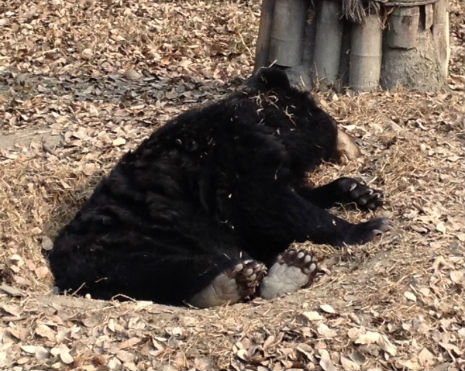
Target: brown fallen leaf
410	296
129	343
354	333
371	337
306	350
42	272
10	290
325	361
386	345
12	309
441	227
119	142
325	331
125	356
458	277
426	358
312	316
411	364
348	364
201	364
327	308
31	349
41	353
66	358
268	342
132	75
44	331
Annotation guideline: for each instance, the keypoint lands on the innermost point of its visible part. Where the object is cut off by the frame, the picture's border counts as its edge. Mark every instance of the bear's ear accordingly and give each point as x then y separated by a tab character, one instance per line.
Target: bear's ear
268	78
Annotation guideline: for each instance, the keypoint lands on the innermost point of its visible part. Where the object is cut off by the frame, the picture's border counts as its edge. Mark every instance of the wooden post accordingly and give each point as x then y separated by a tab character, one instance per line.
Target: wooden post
402	29
263	41
287	32
365	55
328	39
343	44
410	55
309	39
441	34
428	16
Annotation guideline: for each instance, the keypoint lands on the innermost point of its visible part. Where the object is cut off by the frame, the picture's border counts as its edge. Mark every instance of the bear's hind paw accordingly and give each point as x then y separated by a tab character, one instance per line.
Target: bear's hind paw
235	284
292	270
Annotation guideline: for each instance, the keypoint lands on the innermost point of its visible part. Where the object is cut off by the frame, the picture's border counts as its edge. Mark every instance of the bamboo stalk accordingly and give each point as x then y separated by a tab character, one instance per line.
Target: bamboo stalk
287	32
328	40
365	56
263	40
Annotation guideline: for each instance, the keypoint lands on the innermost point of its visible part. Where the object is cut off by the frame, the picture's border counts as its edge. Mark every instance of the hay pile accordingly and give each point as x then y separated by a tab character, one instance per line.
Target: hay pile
82	82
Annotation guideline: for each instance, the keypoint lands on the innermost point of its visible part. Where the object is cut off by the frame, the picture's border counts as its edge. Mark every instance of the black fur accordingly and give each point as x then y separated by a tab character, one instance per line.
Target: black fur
211	188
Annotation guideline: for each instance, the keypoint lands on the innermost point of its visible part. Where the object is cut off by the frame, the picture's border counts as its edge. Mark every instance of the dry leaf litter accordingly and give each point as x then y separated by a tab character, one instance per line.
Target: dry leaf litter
81	82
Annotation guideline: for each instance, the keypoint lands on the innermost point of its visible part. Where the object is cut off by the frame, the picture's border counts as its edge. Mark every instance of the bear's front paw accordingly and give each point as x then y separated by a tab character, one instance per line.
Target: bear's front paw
293	270
365	232
358	192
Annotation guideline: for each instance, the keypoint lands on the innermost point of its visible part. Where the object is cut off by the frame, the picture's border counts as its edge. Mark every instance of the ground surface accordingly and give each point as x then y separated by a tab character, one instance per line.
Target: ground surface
83	81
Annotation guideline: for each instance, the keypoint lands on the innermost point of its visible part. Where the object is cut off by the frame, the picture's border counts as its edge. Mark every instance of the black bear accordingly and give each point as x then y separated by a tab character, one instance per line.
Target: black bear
209	202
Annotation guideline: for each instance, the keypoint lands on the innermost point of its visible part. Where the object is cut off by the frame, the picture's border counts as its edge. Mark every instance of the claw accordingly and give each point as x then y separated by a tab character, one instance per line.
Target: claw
238	268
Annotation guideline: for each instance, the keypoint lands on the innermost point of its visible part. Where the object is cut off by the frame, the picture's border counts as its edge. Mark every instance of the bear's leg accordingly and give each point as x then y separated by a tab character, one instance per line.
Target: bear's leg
224	276
291	271
209	273
277	215
230	286
343	190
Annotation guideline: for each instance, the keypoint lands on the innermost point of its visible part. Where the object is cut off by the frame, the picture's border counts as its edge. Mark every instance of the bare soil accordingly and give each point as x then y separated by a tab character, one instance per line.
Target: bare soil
99	76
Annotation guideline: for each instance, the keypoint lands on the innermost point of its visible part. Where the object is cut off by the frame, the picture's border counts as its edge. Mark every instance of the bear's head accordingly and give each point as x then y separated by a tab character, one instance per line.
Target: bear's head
320	129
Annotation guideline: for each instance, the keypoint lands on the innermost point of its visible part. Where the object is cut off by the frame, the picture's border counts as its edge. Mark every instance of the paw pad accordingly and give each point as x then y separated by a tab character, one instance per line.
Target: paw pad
364	196
233	285
300	259
248	275
292	270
